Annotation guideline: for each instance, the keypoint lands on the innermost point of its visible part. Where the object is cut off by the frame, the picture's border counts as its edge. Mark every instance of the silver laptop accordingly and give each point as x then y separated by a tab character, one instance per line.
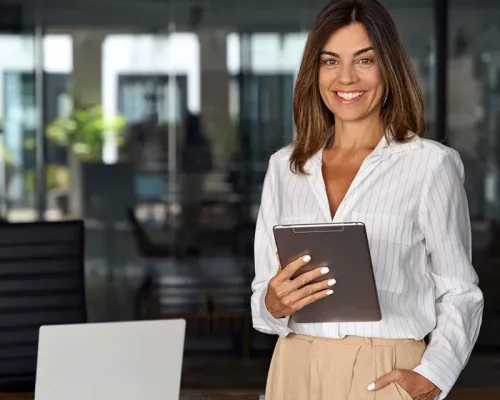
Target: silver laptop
110	361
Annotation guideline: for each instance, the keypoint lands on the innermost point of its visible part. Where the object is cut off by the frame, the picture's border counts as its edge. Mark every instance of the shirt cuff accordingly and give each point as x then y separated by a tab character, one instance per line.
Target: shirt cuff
441	368
277	325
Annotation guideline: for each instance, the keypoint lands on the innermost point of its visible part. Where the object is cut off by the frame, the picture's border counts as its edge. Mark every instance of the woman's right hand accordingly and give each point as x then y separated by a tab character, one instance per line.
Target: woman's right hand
285	295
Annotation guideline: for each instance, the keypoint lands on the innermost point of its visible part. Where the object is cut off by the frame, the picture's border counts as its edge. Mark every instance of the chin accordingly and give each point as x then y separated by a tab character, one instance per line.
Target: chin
350	116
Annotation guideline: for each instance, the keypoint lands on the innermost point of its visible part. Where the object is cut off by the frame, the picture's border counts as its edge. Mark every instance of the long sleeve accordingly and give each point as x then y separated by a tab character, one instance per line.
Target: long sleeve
445	224
266	264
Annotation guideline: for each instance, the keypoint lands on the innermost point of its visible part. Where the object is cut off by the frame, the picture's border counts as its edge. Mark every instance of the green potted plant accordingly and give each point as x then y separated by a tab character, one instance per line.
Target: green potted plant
84	132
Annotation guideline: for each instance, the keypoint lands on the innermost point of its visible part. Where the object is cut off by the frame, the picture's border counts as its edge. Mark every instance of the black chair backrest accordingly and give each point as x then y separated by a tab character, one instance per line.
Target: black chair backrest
41	283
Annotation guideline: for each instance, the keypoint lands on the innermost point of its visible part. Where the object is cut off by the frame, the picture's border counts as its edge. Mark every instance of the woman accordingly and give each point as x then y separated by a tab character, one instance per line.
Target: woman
358	156
196	164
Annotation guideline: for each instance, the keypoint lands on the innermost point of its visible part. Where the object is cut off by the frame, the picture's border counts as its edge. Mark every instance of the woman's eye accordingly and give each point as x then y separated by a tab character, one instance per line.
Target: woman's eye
330	62
365	61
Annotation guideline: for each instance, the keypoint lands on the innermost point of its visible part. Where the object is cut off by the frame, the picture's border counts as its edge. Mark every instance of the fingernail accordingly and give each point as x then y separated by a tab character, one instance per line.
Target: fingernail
328	293
371	386
325	270
332	282
306	258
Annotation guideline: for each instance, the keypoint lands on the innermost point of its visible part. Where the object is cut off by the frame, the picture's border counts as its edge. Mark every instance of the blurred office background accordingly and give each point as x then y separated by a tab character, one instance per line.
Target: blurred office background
153	120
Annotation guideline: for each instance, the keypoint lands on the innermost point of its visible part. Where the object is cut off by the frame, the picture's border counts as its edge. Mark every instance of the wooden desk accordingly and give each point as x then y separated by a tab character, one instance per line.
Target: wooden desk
474	394
193	394
16	396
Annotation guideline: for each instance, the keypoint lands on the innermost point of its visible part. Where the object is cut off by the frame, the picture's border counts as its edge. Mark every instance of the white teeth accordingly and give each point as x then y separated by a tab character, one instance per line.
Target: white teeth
350	95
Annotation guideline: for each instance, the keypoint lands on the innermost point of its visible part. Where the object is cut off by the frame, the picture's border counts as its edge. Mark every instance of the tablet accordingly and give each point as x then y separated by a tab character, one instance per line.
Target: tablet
343	247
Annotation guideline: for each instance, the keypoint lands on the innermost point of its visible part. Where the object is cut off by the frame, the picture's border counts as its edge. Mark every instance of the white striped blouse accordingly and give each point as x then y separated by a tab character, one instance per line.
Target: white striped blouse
413	203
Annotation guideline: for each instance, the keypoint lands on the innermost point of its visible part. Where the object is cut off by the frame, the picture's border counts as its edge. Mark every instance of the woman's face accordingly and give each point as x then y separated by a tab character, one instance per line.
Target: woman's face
350	79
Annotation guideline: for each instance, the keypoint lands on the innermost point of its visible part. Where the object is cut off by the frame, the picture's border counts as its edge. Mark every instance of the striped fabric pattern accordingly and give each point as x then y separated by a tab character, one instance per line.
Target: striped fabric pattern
412	200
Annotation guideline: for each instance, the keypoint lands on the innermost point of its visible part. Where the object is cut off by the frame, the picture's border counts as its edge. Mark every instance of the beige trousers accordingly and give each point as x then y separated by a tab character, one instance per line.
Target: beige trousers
310	368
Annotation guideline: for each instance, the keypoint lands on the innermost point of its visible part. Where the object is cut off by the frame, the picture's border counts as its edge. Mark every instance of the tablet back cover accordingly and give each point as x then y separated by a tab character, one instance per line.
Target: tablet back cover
344	249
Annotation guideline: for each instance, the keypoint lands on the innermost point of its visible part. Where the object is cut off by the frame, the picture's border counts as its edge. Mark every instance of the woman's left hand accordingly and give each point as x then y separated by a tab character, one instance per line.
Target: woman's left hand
417	386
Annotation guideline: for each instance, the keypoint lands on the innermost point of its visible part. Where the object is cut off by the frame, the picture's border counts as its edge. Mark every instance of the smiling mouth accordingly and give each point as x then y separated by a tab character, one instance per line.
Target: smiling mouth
349	95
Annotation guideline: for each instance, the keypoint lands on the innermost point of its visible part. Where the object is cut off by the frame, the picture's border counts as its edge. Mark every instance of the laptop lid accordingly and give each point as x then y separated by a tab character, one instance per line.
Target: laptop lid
106	361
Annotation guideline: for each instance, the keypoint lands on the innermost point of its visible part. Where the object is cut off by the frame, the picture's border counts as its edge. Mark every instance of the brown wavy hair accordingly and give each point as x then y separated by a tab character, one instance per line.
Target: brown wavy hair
402	109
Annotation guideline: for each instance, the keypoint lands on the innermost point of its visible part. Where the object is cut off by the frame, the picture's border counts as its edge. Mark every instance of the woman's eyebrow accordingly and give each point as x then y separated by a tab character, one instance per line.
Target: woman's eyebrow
356	53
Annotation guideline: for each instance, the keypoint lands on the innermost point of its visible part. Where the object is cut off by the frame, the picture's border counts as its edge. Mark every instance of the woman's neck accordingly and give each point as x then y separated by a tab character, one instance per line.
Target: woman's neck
358	134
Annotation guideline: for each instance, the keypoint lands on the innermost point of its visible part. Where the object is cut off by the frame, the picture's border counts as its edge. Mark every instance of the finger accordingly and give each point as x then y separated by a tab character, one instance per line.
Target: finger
311	299
309	276
384	380
294	266
311	289
278	258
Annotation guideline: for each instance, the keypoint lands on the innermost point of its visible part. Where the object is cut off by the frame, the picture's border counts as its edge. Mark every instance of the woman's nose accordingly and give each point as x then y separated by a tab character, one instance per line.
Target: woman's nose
347	74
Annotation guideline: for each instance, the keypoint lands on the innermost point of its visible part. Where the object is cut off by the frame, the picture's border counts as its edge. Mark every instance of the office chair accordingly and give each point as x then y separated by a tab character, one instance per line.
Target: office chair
41	283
